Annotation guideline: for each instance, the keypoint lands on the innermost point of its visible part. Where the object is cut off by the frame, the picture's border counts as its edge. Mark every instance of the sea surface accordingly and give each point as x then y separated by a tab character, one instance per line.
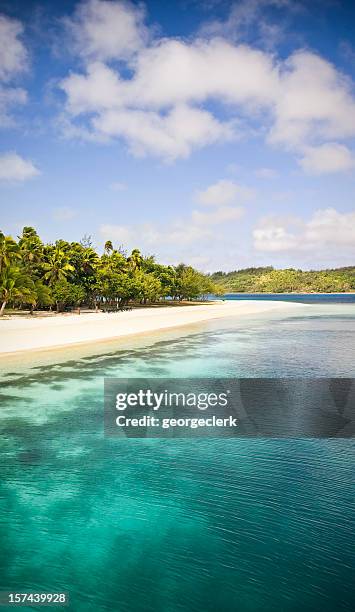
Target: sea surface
304	298
208	525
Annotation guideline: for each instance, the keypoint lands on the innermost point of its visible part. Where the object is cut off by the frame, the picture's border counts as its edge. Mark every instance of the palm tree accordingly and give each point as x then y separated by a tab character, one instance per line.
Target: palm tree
108	247
41	295
135	260
57	266
89	261
8	251
31	250
15	285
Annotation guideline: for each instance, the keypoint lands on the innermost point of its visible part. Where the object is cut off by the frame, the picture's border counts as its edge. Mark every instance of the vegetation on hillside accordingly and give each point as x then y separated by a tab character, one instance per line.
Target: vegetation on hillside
269	280
70	274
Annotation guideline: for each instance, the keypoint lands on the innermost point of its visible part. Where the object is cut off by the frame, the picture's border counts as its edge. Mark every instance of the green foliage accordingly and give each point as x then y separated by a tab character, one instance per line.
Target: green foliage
67	294
268	280
57	266
68	274
43	295
15	286
9	251
190	284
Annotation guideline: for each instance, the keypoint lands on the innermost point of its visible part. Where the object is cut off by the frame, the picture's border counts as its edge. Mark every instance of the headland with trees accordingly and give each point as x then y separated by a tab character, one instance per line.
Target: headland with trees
66	275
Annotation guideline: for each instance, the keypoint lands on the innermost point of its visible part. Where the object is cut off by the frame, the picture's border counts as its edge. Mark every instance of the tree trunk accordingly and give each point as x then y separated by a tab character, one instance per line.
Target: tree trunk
2	308
31	310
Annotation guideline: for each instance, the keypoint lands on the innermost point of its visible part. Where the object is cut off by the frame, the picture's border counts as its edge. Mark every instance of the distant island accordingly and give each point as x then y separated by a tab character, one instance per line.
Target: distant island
290	280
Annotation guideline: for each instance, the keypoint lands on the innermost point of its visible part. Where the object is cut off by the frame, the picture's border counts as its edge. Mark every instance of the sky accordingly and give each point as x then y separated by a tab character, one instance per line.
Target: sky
216	133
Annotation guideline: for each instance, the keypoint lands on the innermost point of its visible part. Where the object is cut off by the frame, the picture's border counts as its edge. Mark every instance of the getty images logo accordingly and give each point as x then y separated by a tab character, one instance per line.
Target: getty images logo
146	398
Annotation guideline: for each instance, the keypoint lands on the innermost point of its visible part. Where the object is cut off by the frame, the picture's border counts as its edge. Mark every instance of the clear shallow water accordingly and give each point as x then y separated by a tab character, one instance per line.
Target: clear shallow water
305	298
179	525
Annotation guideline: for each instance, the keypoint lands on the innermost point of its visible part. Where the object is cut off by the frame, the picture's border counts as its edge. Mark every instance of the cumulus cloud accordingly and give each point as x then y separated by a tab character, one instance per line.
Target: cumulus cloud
173	72
163	105
326	229
105	30
327	158
169	136
314	101
13	61
14	168
223	192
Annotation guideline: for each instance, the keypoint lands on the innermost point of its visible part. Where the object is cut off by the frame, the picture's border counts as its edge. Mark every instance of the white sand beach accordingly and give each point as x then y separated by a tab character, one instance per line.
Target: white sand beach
19	334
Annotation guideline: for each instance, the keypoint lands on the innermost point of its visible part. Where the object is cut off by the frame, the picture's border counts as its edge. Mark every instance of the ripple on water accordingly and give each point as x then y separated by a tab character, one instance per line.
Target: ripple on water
169	525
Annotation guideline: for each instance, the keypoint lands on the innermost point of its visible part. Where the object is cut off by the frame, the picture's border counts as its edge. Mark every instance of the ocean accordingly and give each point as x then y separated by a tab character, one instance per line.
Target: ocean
304	298
175	525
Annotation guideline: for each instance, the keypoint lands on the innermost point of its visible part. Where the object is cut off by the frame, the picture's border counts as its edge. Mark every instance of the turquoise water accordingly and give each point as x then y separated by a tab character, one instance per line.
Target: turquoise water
305	298
178	525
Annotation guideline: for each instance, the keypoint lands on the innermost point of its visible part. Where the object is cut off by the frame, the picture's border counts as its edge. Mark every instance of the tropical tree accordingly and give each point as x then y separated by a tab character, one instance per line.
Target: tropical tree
108	247
189	283
41	296
57	267
147	287
67	294
113	288
15	285
135	260
31	250
9	251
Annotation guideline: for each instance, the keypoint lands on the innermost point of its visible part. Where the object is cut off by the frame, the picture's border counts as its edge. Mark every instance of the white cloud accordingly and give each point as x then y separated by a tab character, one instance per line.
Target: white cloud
272	236
248	17
326	229
162	106
64	213
175	72
170	136
223	192
155	111
315	102
99	89
327	158
105	30
16	168
13	54
13	60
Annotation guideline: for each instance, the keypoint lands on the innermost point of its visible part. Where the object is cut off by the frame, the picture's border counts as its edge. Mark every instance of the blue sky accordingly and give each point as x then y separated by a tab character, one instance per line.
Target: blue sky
216	133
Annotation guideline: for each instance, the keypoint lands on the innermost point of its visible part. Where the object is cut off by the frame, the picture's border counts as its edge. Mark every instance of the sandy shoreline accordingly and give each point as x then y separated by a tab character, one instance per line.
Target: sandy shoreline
18	335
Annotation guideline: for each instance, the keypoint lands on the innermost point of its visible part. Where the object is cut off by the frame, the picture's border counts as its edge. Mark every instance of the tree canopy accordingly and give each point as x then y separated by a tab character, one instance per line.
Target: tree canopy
269	280
70	274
